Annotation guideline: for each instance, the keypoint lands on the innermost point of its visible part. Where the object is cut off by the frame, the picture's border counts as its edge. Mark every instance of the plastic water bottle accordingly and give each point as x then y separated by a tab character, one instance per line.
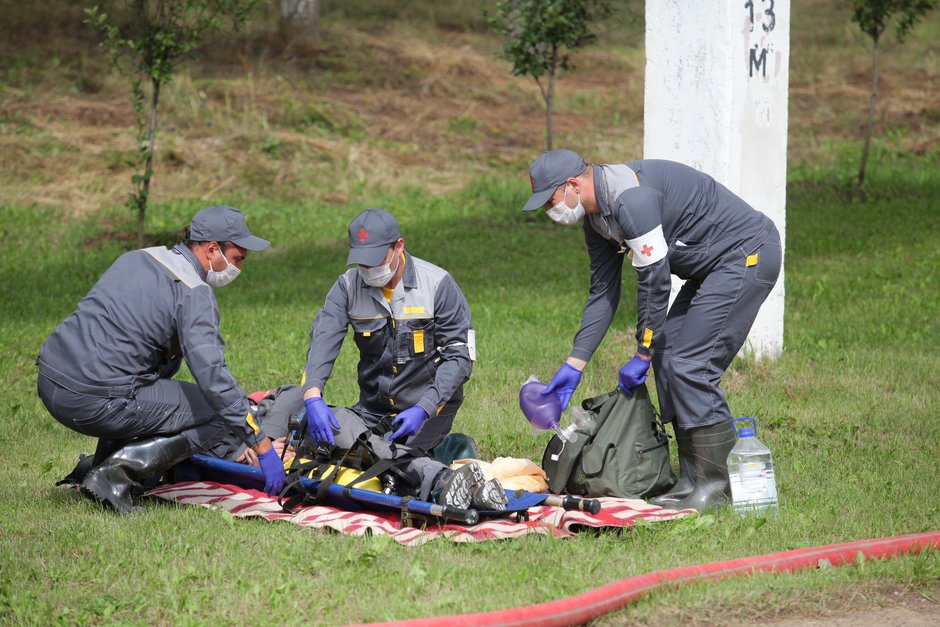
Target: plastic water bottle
751	470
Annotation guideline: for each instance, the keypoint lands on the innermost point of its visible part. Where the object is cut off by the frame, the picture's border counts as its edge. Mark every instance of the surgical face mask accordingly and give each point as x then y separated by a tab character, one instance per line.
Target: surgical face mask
377	276
563	214
223	278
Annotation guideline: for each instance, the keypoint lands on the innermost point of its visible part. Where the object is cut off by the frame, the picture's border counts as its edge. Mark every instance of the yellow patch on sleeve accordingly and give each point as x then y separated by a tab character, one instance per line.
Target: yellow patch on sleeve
303	379
419	341
366	333
751	261
414	310
251	423
647	337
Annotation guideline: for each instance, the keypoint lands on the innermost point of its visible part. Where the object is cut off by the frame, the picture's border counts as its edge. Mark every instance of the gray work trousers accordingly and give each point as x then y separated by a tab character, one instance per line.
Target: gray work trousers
166	407
421	471
705	328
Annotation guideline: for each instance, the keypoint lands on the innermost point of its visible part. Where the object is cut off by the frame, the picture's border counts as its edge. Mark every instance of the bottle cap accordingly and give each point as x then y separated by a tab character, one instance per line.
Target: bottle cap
742	431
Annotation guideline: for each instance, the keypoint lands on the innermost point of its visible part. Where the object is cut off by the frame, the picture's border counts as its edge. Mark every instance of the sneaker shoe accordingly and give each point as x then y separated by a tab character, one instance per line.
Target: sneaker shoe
459	488
490	496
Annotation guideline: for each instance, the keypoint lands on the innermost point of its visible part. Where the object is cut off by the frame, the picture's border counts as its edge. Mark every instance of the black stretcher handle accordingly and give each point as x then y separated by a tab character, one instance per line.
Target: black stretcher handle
592	506
466	516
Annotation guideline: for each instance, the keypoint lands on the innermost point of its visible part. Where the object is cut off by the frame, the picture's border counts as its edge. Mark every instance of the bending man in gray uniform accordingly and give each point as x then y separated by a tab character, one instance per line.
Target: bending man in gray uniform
105	371
412	326
671	219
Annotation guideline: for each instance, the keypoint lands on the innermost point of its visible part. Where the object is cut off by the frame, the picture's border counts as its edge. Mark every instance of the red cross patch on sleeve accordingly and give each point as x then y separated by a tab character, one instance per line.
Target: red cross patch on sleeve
648	248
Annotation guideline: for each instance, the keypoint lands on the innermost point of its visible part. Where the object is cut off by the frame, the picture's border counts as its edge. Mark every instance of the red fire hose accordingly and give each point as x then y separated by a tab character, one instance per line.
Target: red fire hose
583	607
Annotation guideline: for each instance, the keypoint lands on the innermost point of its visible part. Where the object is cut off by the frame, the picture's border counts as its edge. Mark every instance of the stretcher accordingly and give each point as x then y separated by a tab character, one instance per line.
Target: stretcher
413	510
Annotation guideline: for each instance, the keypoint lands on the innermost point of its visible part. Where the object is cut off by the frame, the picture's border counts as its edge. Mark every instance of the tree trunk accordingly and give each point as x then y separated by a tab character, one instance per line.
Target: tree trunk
300	20
872	106
148	167
550	98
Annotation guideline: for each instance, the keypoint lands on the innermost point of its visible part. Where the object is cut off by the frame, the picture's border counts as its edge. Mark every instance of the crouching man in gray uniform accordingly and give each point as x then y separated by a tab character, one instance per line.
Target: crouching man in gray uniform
106	370
671	219
412	327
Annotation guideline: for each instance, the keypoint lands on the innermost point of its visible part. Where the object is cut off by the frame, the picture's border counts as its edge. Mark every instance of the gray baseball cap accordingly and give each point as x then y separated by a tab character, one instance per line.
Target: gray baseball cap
370	234
224	224
549	172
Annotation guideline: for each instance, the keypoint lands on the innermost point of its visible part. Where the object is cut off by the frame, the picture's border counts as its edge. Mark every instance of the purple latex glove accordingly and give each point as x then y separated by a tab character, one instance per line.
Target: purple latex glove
633	373
408	422
564	383
320	420
273	469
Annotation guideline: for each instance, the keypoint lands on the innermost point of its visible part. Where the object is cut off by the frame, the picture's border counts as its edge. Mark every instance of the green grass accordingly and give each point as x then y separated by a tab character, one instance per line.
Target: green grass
303	140
849	411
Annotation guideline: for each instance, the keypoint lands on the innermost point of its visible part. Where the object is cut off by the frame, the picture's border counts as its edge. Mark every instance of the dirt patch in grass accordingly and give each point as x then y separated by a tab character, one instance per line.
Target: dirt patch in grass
889	604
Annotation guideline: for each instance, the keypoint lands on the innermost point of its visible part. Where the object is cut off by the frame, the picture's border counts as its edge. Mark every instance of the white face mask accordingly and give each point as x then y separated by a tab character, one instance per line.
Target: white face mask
377	276
223	278
563	214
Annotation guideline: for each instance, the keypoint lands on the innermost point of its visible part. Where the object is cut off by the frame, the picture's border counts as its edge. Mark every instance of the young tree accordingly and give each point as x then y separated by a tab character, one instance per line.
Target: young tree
873	18
538	34
146	41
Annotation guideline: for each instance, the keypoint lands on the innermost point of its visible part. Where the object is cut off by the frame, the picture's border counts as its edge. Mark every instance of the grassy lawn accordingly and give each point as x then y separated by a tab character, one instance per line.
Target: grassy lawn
850	409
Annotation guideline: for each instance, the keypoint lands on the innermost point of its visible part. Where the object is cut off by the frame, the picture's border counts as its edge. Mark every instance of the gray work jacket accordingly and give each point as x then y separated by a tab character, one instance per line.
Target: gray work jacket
412	351
149	310
671	219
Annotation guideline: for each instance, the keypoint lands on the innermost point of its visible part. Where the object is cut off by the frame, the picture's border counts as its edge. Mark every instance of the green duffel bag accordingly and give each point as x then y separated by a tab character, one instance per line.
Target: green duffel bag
625	454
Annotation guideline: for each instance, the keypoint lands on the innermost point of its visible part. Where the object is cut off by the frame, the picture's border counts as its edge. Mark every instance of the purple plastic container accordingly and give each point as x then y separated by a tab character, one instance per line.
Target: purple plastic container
543	412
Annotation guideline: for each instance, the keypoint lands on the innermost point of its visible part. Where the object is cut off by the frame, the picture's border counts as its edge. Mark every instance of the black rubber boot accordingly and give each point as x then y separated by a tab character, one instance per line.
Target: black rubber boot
710	447
117	481
686	482
86	462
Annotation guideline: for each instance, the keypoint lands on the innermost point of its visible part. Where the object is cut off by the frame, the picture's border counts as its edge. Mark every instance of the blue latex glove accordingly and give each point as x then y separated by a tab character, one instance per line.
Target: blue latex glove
320	420
564	383
408	422
273	469
633	373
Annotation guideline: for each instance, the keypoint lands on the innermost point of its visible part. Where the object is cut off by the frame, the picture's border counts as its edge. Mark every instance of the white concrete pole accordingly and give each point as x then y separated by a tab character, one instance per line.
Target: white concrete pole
716	99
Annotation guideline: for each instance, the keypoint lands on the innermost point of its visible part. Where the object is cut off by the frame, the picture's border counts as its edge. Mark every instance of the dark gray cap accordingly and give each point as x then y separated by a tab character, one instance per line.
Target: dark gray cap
370	234
224	224
549	172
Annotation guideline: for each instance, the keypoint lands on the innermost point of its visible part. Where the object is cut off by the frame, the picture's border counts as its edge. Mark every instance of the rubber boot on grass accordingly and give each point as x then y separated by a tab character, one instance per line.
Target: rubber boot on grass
710	447
85	463
686	483
117	481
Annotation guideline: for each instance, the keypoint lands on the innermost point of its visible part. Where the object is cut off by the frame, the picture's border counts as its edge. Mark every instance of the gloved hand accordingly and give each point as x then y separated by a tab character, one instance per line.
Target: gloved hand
273	469
320	420
564	383
408	422
633	374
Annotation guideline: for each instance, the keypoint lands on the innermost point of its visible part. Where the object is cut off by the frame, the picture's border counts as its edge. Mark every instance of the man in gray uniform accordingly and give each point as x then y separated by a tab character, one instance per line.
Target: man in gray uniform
106	370
671	219
412	326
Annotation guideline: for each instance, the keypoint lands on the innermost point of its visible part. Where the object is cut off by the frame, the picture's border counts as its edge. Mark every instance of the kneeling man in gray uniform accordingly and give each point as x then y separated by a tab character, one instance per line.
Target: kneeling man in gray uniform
411	324
106	370
670	219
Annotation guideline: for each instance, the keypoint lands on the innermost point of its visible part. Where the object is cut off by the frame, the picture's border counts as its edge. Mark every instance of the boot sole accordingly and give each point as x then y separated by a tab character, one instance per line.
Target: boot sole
459	489
490	496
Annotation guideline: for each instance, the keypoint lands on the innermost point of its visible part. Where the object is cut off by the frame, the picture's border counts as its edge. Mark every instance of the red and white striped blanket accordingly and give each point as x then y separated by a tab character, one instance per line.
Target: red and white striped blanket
543	520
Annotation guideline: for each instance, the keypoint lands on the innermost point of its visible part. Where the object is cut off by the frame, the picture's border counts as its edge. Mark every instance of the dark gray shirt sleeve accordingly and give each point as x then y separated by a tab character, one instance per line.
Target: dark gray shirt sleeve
451	327
326	336
203	346
604	295
639	212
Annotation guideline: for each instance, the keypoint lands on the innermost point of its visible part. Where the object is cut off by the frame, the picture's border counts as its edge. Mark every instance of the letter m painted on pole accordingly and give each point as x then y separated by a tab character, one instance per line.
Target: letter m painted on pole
758	62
